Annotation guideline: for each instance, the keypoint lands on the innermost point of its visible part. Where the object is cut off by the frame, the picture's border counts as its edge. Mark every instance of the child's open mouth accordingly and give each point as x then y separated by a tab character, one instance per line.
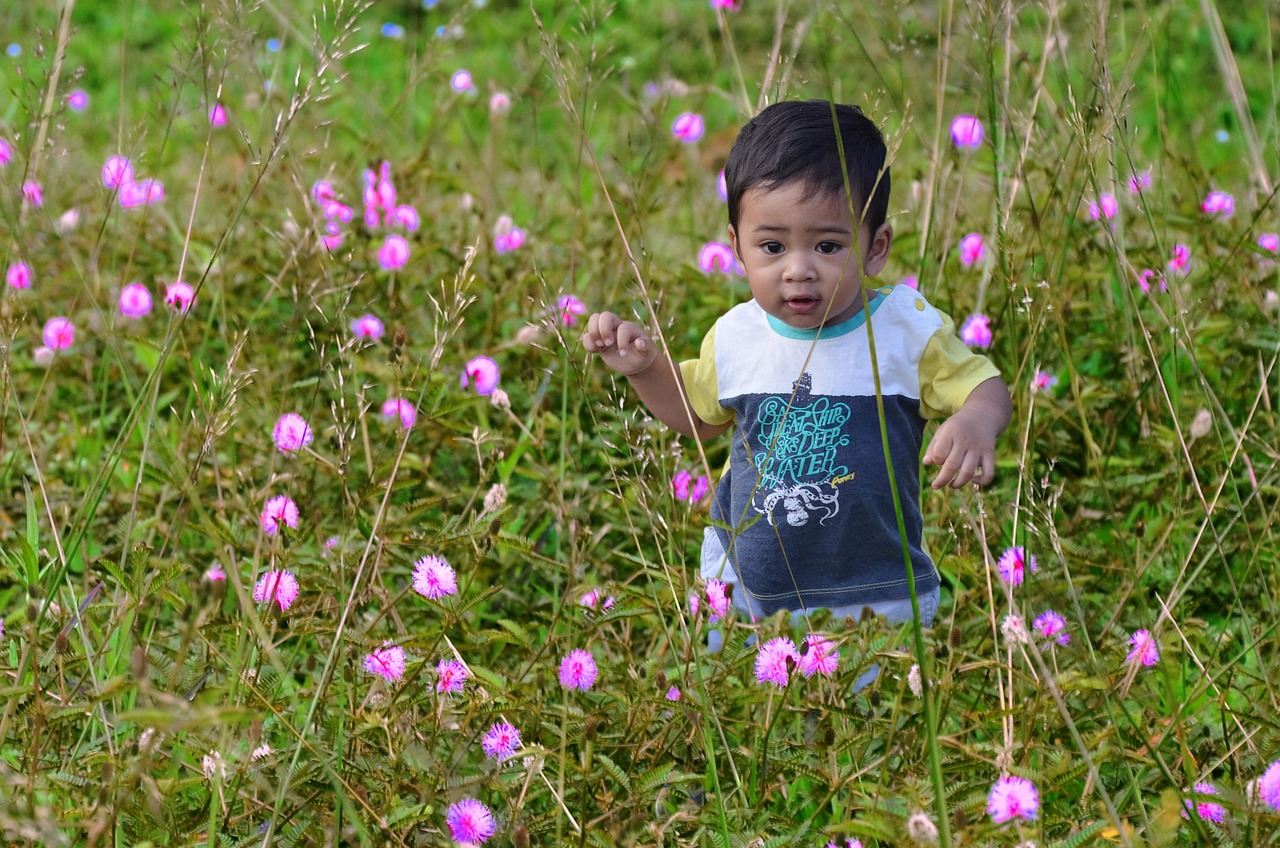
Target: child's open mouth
802	304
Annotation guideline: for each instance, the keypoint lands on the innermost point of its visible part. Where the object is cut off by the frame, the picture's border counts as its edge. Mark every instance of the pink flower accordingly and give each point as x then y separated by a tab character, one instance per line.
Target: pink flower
279	510
386	662
512	239
394	253
405	216
1013	798
688	127
1043	381
77	100
673	694
590	599
1140	182
462	82
717	256
570	308
470	822
1013	565
433	578
694	603
1105	208
59	333
280	587
19	275
1051	625
402	409
322	190
910	281
215	574
728	5
501	741
291	432
578	670
135	300
1181	260
722	186
143	192
772	661
367	327
32	193
1269	242
483	371
42	356
218	115
1145	278
848	843
1219	203
966	132
1269	786
179	295
499	103
1206	810
820	656
452	676
1144	649
976	331
6	152
718	599
972	249
116	172
699	488
680	484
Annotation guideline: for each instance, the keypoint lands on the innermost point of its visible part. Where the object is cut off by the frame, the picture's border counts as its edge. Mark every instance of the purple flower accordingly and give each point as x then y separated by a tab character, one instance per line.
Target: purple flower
218	115
387	662
1104	208
279	587
578	670
6	152
717	256
179	295
1144	649
394	253
501	741
367	327
976	331
433	578
911	281
1014	564
820	656
570	308
135	300
1043	381
694	603
688	127
1145	278
673	694
1140	182
291	432
1206	810
77	100
1270	242
32	193
280	510
966	132
452	676
1181	260
1219	203
470	822
722	186
117	172
59	333
1013	798
773	663
462	82
141	193
973	249
1051	625
718	598
483	371
19	275
402	409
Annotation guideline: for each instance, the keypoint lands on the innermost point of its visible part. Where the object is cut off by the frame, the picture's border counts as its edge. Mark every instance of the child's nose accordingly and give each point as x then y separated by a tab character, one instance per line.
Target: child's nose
799	268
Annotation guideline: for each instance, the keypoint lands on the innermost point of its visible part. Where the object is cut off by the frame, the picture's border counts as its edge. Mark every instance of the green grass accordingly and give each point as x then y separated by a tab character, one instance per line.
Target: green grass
142	456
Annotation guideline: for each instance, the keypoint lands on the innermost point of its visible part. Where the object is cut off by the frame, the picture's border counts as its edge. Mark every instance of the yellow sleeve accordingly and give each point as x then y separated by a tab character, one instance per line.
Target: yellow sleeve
949	371
701	385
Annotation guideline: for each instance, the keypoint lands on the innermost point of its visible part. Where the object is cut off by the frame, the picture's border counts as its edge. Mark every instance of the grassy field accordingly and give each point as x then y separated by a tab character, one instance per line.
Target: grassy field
308	552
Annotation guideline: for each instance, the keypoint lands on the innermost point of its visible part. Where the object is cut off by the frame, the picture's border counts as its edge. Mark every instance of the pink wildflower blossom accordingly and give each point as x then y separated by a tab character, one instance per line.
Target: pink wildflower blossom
966	132
292	432
367	327
1144	649
976	331
218	115
32	193
570	308
279	587
717	256
499	103
673	694
6	152
483	371
433	578
1013	798
1206	810
19	275
1043	381
1145	278
77	100
578	670
718	599
394	253
1219	203
1140	182
773	663
116	172
820	656
728	5
973	250
135	300
1270	242
695	603
179	295
215	574
1181	261
1269	786
1104	208
470	822
280	510
387	662
405	216
722	186
452	676
688	127
462	82
1051	625
59	333
910	281
1014	564
140	193
501	741
848	843
402	409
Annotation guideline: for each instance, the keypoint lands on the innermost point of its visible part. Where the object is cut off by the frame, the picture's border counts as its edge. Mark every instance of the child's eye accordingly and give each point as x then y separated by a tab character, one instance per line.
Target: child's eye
773	248
827	248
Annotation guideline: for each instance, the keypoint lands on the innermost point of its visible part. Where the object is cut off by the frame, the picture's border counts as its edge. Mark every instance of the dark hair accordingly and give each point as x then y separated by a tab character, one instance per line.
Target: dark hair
796	140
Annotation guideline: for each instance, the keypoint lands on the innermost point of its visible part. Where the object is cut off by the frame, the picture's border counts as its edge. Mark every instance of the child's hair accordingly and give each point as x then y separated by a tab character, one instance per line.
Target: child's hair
796	140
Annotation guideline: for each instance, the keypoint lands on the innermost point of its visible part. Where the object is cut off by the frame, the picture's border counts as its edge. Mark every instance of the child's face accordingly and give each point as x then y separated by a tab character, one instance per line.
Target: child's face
803	263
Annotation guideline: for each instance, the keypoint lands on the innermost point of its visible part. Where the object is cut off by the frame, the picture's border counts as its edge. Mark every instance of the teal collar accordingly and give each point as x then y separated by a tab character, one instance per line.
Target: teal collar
833	332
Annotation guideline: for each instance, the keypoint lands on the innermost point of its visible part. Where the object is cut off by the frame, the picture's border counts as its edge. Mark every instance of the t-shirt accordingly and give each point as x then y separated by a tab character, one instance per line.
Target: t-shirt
805	510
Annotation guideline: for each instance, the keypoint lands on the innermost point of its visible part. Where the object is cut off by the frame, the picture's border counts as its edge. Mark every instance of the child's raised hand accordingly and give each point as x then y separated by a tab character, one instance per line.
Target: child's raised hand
965	448
623	345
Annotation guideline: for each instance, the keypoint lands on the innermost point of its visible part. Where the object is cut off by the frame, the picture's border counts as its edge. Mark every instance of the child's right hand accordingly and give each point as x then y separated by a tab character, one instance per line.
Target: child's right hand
623	345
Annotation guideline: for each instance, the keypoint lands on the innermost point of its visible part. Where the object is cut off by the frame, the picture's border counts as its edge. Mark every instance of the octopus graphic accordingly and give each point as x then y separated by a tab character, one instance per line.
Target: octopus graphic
799	501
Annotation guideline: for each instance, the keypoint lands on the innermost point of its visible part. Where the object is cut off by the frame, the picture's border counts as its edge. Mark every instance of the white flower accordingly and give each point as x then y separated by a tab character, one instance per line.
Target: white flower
913	681
213	766
261	752
1015	630
496	497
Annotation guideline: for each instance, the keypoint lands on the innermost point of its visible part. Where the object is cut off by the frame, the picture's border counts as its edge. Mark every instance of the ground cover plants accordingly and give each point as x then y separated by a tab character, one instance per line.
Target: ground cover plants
317	526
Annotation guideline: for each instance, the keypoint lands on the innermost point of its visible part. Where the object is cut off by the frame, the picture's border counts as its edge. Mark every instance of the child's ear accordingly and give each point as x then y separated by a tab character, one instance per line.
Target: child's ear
733	243
878	251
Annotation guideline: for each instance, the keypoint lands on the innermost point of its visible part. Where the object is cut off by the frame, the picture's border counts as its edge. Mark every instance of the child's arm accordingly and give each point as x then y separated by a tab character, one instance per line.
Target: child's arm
626	348
966	442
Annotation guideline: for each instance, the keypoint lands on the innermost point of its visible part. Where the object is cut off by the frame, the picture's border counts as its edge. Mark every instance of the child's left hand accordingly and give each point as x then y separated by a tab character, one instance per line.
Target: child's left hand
965	444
